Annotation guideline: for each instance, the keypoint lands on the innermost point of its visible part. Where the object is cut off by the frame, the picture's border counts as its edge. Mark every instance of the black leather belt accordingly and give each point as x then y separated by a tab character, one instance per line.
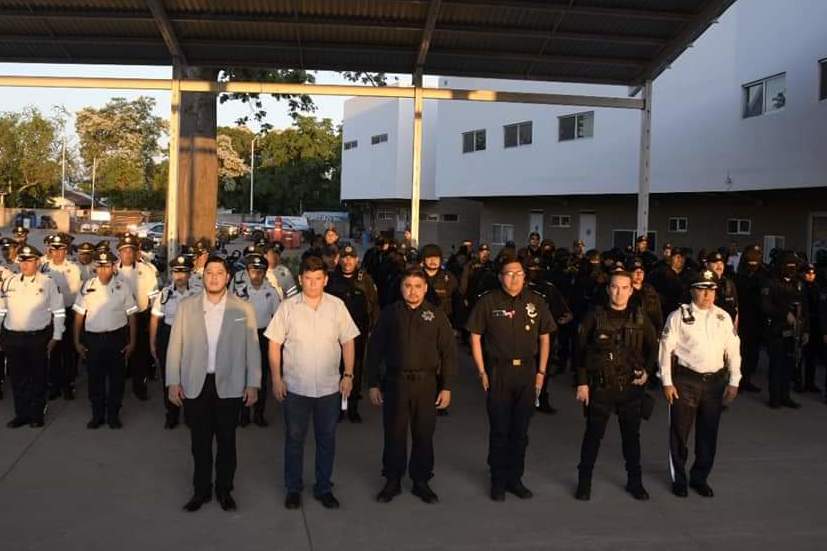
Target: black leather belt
705	377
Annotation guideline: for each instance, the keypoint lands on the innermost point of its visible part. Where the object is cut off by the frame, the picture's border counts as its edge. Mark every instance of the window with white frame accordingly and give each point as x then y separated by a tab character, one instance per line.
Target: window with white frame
379	138
560	221
502	233
764	96
739	226
353	144
450	217
822	93
575	127
678	224
473	141
385	215
517	134
431	217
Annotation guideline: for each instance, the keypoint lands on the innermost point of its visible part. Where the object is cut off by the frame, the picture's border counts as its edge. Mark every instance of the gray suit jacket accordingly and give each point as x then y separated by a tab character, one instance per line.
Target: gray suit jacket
238	357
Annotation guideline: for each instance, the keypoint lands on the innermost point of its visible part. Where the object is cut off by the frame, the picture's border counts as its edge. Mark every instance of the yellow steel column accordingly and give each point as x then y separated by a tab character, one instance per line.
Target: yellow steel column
171	227
416	180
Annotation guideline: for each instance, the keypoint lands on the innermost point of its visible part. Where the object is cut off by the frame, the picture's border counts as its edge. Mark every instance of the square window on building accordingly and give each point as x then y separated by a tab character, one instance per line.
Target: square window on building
739	226
769	94
678	224
473	141
517	134
502	233
385	215
351	145
430	218
560	221
450	217
379	138
574	127
822	66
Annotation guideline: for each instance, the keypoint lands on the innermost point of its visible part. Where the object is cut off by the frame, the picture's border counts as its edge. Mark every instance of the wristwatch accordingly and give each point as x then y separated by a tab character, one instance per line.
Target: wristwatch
347	375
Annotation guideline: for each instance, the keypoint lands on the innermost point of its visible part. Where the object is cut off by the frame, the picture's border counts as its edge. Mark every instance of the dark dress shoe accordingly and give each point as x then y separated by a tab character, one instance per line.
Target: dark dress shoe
69	394
747	386
391	490
293	500
354	417
703	489
37	423
774	405
679	490
584	490
196	502
519	490
94	424
328	501
341	416
244	420
637	491
115	423
424	492
497	492
442	412
170	423
788	403
17	422
227	502
54	394
259	420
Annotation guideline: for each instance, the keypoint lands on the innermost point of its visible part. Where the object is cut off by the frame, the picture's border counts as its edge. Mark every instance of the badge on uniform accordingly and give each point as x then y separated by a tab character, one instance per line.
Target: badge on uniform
427	315
720	317
531	310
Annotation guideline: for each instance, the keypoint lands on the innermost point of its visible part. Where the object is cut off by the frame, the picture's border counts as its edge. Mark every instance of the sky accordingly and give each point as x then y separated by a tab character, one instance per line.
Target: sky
45	99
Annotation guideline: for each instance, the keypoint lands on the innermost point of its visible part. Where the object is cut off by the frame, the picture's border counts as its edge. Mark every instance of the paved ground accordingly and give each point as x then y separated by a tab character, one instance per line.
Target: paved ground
64	487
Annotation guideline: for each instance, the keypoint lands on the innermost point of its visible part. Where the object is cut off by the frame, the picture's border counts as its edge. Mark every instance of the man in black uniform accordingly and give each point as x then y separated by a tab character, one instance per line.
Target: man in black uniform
356	289
814	350
415	341
784	303
726	297
517	325
644	295
478	276
616	354
647	257
752	325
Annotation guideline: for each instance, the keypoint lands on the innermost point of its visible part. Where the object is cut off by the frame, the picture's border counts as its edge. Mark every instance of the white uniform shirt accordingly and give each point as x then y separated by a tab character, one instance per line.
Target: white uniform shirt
312	342
265	300
213	317
31	304
142	279
705	346
68	278
281	278
166	303
106	307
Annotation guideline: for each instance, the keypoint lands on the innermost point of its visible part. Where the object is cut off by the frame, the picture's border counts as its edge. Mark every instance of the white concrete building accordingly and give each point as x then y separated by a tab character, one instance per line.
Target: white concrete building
739	121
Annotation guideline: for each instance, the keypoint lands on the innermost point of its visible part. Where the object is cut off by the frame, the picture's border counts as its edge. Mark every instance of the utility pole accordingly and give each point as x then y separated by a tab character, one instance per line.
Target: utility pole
94	170
252	170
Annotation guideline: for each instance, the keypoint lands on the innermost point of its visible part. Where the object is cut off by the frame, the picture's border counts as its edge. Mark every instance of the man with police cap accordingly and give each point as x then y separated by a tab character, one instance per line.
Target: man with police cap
32	315
816	304
66	274
514	324
200	254
783	302
643	294
265	301
20	234
104	336
726	296
85	252
142	279
164	308
752	323
478	276
278	274
616	354
700	367
356	289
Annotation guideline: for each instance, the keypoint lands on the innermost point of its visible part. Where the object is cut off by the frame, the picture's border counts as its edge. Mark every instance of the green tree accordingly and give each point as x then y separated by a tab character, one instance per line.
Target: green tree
29	158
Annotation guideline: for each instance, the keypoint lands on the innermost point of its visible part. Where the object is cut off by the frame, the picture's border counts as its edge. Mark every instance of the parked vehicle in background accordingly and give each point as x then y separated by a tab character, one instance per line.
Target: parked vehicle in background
47	223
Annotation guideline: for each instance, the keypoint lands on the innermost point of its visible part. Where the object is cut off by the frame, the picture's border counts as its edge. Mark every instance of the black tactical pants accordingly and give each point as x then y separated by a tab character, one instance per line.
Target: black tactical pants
750	348
107	370
161	344
602	403
510	406
63	362
781	369
26	352
409	402
140	368
699	403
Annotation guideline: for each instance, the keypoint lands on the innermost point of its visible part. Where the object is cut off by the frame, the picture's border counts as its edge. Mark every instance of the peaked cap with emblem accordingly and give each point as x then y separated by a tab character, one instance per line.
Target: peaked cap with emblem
128	240
255	261
180	263
348	250
705	279
59	241
105	258
27	252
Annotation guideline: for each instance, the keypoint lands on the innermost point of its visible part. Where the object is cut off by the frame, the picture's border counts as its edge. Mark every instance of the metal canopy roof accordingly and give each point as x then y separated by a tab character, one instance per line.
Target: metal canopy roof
600	41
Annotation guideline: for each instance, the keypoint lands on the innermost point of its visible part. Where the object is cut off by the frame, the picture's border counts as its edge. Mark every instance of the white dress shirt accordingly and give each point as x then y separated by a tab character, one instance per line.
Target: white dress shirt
106	307
312	343
31	304
213	317
706	345
67	276
142	279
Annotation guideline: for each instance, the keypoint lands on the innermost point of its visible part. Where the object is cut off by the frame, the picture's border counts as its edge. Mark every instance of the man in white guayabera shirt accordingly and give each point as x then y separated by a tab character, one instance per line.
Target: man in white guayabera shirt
309	335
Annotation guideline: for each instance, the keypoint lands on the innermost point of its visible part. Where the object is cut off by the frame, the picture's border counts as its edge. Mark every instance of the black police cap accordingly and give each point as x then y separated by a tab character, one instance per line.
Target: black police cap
86	247
180	263
128	241
27	252
256	261
105	258
349	250
430	250
705	279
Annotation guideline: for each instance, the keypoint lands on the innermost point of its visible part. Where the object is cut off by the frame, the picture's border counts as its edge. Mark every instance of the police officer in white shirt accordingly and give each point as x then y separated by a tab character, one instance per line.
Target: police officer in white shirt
8	262
164	309
700	366
32	315
104	336
66	274
142	278
85	260
265	300
200	253
278	274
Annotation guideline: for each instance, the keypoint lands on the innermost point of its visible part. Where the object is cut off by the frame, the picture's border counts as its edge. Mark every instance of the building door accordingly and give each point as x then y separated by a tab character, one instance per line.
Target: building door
588	229
535	222
817	239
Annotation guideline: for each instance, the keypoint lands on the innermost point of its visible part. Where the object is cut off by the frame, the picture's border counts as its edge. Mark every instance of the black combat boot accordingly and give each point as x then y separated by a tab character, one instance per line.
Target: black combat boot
584	487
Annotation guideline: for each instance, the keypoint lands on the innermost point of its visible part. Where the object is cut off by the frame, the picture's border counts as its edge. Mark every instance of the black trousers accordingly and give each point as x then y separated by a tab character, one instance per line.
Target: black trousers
602	403
161	344
750	348
813	353
781	368
212	418
510	405
106	366
28	363
263	345
139	363
63	362
699	403
409	402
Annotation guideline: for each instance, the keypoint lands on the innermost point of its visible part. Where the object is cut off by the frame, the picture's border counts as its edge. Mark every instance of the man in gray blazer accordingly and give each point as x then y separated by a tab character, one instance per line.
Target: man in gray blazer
213	366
